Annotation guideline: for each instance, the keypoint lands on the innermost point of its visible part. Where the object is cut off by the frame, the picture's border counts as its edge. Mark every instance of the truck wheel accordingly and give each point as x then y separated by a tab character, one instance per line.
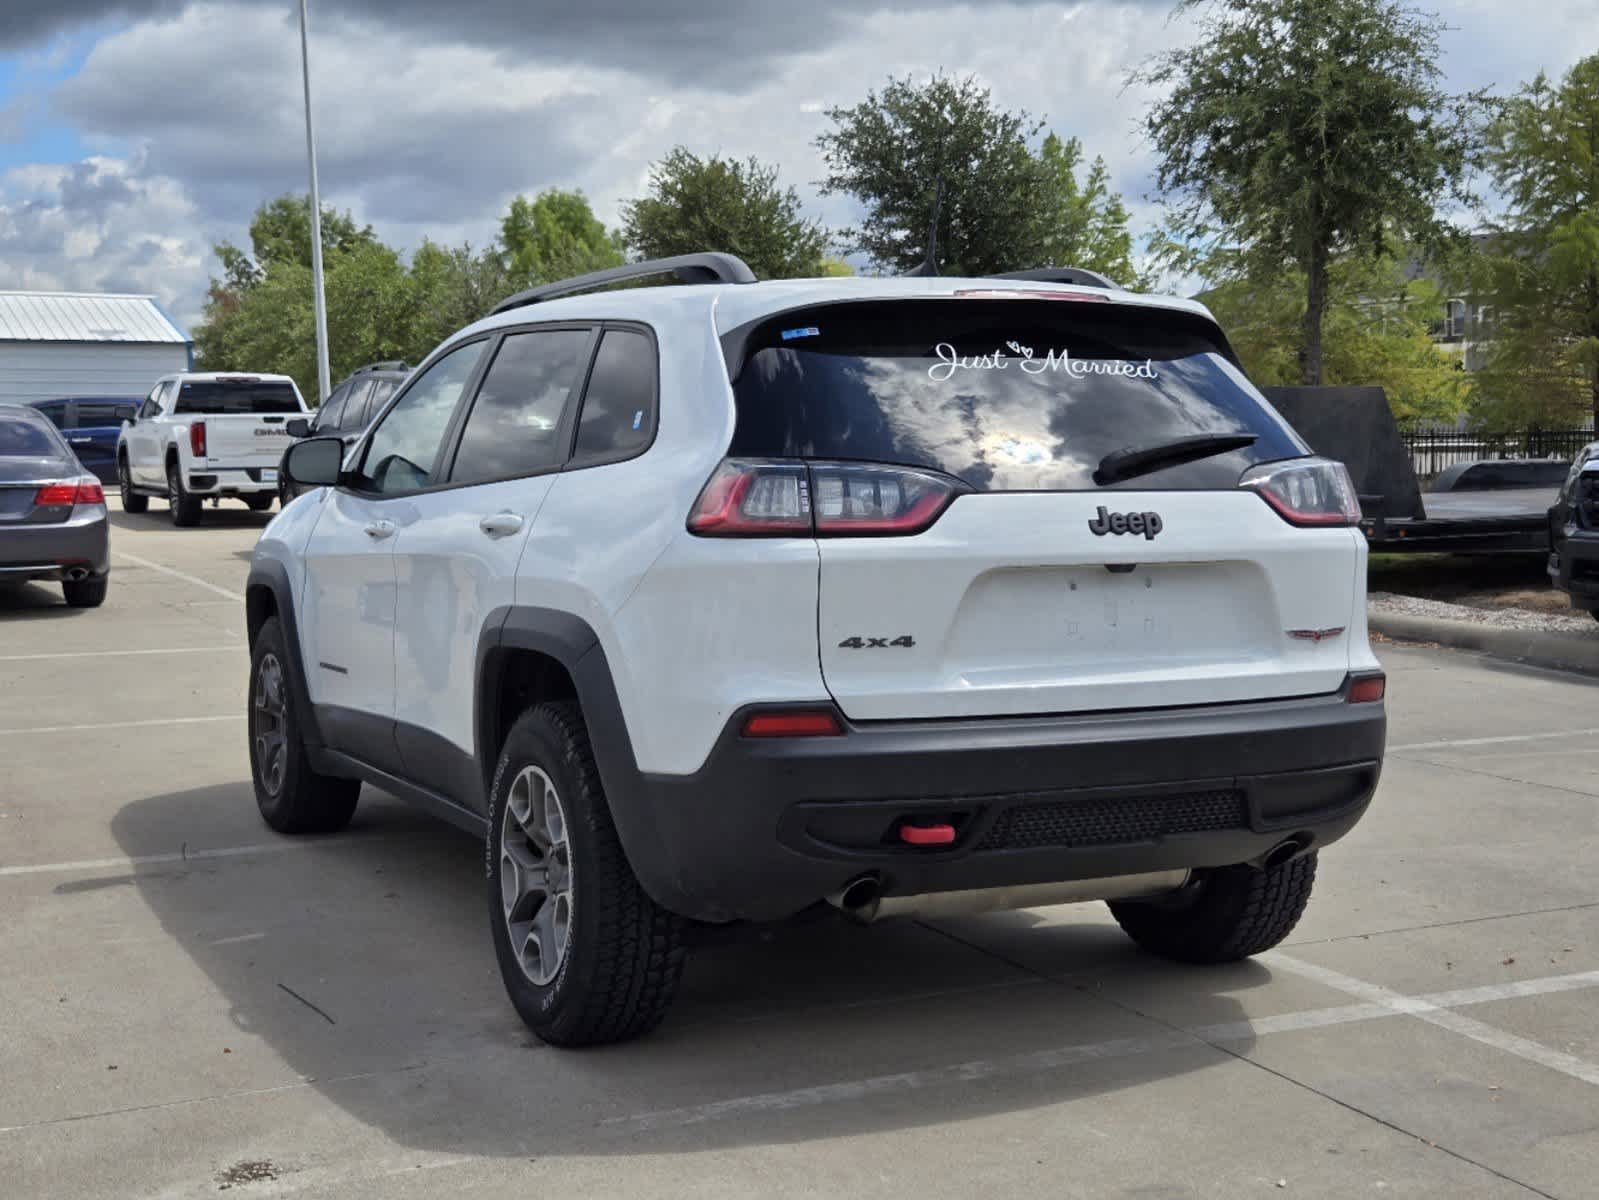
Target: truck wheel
1224	915
85	593
185	508
132	501
587	957
292	797
260	502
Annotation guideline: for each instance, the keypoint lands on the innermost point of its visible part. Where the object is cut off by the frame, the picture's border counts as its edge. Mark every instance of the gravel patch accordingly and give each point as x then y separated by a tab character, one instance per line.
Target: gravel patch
1504	618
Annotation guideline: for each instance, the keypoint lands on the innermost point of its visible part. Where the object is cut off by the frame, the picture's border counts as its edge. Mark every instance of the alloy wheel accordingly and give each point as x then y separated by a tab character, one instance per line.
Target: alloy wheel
536	875
270	721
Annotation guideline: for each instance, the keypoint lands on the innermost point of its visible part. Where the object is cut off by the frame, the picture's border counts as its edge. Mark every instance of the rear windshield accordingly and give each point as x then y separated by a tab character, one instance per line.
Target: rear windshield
1005	394
224	396
27	437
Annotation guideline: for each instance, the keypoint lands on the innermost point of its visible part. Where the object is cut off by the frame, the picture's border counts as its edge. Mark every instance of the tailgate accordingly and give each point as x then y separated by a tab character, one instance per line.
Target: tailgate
245	441
1012	605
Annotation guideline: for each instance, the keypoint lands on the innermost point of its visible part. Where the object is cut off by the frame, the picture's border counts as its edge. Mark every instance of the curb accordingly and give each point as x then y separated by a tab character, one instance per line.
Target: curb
1563	651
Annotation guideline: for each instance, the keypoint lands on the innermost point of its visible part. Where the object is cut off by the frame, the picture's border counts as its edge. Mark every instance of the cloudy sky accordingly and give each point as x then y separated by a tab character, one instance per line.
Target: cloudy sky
134	133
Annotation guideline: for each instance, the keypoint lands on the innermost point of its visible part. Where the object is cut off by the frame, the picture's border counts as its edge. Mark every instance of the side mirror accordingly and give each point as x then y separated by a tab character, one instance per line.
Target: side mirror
315	462
125	412
298	427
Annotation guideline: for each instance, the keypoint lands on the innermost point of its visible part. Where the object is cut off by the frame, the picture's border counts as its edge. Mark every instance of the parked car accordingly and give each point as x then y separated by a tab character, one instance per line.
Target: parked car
53	524
91	425
201	435
348	410
728	601
1574	532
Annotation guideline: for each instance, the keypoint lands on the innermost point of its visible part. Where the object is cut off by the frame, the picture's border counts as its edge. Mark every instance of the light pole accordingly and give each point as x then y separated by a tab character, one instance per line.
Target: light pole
323	384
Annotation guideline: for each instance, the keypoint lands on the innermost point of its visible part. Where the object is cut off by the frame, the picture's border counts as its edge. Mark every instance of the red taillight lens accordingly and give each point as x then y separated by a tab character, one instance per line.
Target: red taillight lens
765	498
1306	491
1368	689
197	439
820	722
64	495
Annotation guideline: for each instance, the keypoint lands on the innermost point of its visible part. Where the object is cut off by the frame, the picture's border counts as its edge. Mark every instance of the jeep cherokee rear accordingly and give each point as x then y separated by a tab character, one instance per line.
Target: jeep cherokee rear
716	603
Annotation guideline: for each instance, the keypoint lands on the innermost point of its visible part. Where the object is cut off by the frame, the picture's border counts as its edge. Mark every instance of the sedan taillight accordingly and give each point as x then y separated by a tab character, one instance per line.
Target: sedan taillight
70	492
787	498
1306	491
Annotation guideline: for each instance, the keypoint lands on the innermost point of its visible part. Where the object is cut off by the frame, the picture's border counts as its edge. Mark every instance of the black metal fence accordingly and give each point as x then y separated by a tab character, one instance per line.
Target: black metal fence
1432	450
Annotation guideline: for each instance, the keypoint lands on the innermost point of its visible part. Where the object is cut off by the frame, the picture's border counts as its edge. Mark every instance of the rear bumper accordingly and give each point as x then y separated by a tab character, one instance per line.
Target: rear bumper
770	826
52	551
231	481
1575	568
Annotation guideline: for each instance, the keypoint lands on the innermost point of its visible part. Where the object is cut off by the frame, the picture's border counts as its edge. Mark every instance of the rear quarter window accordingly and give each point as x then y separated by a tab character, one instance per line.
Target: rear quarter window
1004	394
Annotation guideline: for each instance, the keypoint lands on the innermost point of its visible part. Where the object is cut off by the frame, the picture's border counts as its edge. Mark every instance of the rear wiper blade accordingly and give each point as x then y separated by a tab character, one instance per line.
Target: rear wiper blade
1141	460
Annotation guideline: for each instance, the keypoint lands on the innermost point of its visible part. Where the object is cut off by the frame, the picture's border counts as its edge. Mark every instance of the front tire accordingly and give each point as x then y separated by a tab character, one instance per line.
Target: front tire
132	501
1224	915
292	797
185	508
85	593
587	957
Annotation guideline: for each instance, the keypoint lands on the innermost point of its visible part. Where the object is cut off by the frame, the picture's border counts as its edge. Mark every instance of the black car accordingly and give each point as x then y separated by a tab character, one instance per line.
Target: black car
348	410
53	522
1574	533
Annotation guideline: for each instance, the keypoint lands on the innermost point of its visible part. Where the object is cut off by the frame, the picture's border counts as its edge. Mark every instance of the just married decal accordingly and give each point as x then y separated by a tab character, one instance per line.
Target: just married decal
1054	360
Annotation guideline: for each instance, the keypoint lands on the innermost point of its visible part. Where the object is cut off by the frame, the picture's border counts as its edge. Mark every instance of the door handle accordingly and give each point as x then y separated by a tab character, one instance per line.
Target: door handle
378	530
501	524
80	441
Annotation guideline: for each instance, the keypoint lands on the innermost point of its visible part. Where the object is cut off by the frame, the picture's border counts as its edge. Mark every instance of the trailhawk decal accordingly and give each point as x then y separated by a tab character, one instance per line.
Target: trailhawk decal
1053	361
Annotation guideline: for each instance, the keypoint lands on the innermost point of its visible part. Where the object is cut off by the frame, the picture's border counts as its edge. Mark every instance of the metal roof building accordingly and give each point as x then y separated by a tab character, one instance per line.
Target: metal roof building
82	344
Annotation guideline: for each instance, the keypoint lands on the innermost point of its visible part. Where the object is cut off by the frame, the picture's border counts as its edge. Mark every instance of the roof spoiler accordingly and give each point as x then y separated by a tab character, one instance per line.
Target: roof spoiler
709	267
1079	276
392	364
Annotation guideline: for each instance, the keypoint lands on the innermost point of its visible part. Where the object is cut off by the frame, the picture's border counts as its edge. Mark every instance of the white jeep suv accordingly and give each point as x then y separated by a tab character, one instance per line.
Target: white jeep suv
724	601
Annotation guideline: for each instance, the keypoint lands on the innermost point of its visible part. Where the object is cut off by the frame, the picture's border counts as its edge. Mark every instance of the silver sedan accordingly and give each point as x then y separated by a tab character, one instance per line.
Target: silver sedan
53	522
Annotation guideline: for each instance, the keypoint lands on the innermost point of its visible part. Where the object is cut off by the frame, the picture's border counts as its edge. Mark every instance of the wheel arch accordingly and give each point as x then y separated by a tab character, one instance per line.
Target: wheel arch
267	594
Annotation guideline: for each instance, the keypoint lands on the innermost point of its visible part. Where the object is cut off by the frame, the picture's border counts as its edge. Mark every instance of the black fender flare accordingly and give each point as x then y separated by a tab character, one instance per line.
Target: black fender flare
272	576
572	642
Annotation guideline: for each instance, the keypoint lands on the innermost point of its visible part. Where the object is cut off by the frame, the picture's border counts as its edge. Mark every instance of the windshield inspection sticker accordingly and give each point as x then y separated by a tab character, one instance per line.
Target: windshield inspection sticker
809	331
1055	360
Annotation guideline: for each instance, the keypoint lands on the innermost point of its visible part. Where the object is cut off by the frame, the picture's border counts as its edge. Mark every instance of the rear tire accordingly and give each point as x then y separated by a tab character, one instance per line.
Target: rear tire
587	957
132	501
85	593
292	797
1225	915
260	502
185	508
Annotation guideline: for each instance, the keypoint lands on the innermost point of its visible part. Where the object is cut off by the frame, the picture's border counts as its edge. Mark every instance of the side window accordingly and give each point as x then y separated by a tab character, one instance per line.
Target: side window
515	421
56	411
97	414
350	418
152	405
381	391
403	451
619	405
327	417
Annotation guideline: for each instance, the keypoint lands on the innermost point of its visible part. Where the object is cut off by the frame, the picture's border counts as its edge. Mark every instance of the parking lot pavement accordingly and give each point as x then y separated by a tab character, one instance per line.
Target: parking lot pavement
192	1003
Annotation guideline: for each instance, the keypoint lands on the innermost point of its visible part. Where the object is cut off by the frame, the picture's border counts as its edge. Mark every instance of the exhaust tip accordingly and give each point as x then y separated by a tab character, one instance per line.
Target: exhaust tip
1287	850
858	898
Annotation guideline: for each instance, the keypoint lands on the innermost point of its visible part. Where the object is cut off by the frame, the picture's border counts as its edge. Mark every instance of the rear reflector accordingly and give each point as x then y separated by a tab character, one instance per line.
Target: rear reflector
781	497
927	835
793	723
197	439
1368	689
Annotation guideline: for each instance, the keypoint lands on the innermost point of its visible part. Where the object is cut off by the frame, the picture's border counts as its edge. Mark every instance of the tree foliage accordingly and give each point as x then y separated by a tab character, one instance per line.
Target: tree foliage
1080	224
724	204
1541	272
1297	131
556	236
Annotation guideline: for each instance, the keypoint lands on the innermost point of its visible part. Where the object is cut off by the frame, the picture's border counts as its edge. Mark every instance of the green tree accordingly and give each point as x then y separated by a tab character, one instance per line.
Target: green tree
1542	269
1376	334
1080	224
898	149
1300	130
453	287
280	231
556	236
724	204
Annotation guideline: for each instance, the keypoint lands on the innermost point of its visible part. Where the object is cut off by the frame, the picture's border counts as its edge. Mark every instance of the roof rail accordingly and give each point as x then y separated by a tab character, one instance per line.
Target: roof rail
710	267
392	364
1078	275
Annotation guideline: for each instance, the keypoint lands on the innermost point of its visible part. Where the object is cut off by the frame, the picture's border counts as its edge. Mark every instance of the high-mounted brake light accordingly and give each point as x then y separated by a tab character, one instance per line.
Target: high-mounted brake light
1306	491
197	439
784	498
86	490
819	722
1024	294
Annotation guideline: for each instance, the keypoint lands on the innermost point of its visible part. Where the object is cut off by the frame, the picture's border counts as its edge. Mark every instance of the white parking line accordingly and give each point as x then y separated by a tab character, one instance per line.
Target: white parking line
1429	1010
121	725
1492	741
194	579
239	645
1382	1004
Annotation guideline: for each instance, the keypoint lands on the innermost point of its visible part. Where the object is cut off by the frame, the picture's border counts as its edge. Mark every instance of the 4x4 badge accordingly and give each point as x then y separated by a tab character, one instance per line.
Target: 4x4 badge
1146	523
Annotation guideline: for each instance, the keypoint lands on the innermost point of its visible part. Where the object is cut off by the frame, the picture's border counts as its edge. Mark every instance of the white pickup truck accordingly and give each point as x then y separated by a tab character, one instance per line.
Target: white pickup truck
200	435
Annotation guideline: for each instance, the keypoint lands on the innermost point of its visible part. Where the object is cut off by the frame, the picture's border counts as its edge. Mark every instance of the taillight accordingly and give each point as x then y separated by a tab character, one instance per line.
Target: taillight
197	439
64	495
1367	689
820	722
776	498
1306	491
